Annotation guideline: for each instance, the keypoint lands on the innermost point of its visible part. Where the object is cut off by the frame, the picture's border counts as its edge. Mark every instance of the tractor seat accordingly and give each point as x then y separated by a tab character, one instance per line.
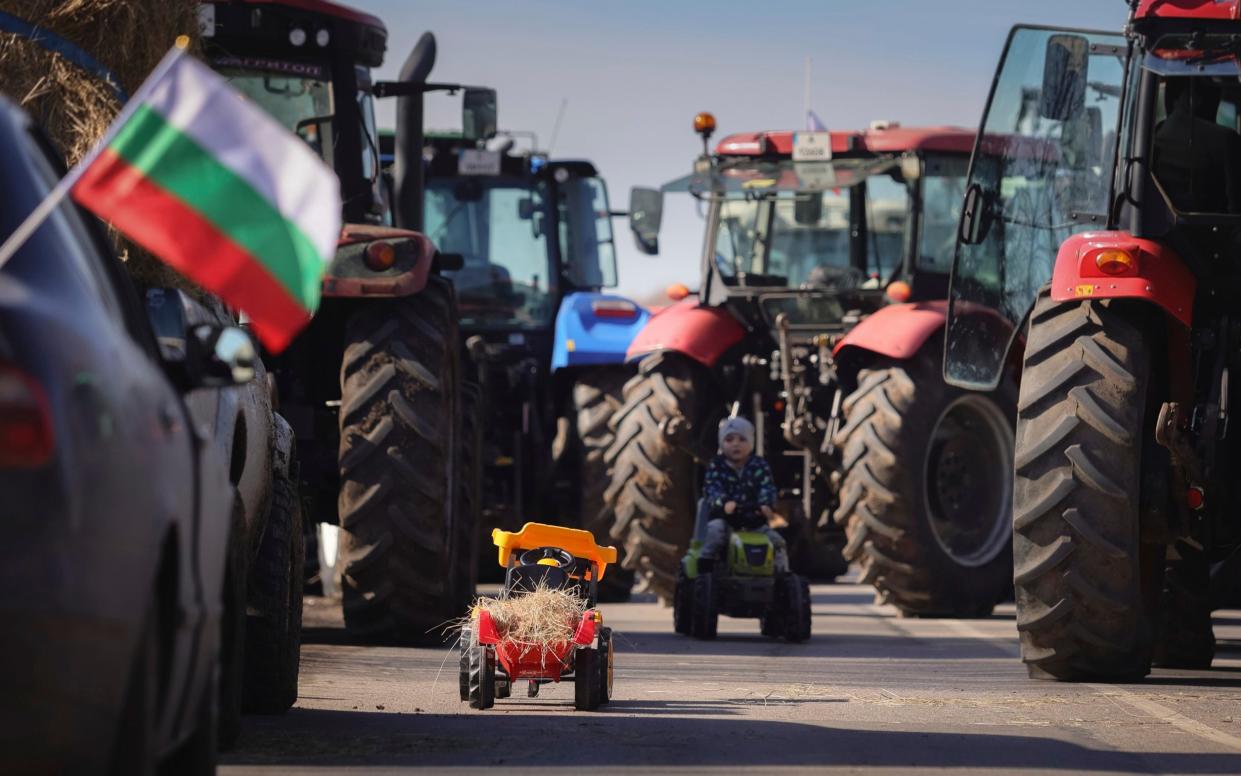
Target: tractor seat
526	579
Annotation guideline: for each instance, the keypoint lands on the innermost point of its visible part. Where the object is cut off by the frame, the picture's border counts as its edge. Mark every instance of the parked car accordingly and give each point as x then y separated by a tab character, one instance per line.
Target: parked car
116	512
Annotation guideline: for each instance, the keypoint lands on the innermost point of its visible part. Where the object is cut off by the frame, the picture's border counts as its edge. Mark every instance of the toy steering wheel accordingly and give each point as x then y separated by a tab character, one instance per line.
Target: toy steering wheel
547	556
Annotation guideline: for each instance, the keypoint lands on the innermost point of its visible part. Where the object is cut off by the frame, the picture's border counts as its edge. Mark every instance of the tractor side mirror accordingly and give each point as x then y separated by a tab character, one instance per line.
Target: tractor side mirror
1065	68
478	114
808	209
975	216
646	211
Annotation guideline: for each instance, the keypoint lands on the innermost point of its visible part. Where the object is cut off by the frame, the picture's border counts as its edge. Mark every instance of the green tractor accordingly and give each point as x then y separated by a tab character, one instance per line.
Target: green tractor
744	583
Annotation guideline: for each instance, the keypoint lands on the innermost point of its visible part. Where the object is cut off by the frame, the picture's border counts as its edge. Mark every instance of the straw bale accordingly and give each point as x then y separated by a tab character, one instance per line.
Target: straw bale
538	620
74	106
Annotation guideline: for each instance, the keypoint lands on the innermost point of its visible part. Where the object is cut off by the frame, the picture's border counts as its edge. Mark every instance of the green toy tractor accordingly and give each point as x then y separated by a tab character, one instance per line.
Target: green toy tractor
743	583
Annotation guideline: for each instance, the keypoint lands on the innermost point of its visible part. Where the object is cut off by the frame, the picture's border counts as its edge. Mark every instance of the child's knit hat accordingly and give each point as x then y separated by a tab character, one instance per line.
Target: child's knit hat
739	426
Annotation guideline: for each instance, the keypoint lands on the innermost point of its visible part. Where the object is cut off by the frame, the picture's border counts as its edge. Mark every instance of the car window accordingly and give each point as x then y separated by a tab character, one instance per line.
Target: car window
96	264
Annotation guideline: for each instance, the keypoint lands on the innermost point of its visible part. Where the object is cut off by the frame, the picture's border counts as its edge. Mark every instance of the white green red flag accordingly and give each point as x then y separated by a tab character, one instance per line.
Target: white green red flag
214	186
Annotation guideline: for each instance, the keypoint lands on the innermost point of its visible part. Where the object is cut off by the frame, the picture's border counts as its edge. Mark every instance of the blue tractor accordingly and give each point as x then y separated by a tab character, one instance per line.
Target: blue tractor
544	345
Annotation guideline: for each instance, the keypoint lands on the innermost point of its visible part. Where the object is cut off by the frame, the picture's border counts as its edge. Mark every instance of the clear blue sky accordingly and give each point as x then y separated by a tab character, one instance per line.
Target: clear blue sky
635	73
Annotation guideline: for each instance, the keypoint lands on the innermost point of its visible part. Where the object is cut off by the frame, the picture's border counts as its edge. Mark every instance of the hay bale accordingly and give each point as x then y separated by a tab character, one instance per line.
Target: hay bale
75	107
539	620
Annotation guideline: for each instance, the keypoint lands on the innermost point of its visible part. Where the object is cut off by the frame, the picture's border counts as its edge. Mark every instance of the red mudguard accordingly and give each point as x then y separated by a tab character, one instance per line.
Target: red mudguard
350	278
897	331
1157	273
702	333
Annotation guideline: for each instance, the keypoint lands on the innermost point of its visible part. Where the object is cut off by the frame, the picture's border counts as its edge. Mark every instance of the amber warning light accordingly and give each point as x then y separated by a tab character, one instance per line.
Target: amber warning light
704	124
380	256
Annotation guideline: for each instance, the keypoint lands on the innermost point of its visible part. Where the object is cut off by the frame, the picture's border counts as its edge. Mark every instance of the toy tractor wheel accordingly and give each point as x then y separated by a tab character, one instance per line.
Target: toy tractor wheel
398	428
1086	583
705	615
586	679
926	490
796	608
482	679
651	495
682	603
596	398
504	688
532	690
606	655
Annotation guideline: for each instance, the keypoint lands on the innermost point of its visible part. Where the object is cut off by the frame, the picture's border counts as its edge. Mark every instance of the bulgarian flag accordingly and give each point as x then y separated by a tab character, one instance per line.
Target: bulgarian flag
214	186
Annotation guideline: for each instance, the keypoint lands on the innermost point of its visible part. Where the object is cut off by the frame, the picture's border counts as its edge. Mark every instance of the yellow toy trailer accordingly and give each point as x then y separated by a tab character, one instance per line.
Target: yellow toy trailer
541	556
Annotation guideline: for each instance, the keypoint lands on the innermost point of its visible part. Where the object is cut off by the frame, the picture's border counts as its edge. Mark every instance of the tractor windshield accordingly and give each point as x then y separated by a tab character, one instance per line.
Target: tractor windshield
499	226
806	236
295	94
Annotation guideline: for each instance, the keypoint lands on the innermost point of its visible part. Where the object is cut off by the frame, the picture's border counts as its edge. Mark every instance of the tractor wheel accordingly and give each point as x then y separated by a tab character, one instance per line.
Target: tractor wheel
705	615
682	604
464	640
586	679
926	492
796	607
606	655
1186	638
596	398
504	688
398	424
482	668
469	493
1082	611
651	494
274	606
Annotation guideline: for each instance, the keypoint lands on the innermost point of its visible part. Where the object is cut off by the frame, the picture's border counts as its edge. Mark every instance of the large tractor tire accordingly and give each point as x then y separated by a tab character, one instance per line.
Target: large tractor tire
470	492
926	488
274	605
597	396
651	493
398	428
1083	610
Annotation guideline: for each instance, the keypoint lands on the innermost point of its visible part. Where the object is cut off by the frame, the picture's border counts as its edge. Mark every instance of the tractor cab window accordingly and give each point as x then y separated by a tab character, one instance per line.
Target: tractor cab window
809	236
298	95
499	226
887	223
589	256
1195	148
943	189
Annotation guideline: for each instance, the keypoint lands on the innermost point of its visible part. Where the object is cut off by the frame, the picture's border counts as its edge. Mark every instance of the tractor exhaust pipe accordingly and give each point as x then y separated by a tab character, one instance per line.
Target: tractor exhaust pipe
408	172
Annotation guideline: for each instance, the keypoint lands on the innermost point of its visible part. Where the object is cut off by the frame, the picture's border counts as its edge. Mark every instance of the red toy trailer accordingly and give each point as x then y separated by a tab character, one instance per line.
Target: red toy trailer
551	557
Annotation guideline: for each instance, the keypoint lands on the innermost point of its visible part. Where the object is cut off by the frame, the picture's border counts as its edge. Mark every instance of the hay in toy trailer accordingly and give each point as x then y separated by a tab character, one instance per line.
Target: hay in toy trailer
543	627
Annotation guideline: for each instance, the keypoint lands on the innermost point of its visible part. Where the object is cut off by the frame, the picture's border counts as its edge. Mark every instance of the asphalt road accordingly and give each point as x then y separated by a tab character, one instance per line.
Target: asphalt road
870	692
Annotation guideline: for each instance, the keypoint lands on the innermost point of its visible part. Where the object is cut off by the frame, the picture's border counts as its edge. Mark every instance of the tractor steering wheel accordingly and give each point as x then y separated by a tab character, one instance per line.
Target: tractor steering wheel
547	556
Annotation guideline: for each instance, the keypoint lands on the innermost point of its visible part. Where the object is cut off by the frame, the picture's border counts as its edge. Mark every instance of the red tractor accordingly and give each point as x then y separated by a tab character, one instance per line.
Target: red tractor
820	316
1099	256
372	387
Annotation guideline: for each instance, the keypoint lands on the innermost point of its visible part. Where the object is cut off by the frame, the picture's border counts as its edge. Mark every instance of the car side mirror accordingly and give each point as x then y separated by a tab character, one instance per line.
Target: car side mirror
1065	69
646	210
198	354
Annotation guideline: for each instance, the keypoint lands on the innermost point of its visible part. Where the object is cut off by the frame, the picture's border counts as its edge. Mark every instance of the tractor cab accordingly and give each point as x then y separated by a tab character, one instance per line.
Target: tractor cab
821	227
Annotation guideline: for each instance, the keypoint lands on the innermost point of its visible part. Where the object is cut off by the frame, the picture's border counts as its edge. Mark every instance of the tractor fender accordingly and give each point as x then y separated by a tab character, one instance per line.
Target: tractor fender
1155	274
897	331
349	277
701	333
593	328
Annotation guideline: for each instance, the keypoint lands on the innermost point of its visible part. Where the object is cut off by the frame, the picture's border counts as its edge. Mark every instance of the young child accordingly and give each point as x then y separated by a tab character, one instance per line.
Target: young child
736	478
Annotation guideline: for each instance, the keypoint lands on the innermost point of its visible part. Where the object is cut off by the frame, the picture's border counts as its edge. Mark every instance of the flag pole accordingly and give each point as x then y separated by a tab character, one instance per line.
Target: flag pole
56	196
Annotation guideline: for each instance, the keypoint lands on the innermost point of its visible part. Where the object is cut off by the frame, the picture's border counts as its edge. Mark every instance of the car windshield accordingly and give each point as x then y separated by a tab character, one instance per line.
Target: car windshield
801	238
295	94
499	226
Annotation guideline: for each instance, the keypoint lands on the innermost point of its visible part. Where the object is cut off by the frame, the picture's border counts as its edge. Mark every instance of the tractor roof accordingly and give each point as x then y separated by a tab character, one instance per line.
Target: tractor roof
325	7
1225	10
890	140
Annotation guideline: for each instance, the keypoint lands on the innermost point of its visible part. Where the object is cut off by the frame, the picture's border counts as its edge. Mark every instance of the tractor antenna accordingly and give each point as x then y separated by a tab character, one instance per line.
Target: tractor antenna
564	103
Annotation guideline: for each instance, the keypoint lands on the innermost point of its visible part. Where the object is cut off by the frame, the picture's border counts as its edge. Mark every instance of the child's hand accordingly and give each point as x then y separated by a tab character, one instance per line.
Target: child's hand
730	507
767	513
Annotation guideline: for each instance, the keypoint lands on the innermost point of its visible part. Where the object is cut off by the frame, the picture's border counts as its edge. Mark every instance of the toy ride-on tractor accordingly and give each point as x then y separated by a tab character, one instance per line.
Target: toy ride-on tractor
744	583
506	642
